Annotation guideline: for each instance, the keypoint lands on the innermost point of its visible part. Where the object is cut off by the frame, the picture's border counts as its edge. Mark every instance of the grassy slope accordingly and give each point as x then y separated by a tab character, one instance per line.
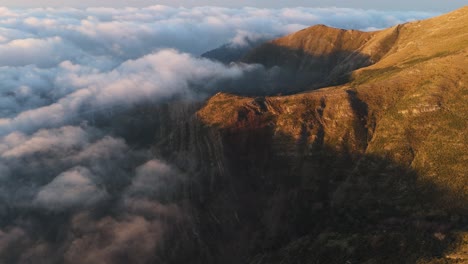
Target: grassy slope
410	108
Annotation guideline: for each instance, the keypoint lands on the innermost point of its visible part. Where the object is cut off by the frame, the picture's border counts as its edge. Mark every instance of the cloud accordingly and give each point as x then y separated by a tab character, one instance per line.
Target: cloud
105	148
107	240
10	238
133	32
153	77
71	189
58	63
155	182
17	144
4	172
41	52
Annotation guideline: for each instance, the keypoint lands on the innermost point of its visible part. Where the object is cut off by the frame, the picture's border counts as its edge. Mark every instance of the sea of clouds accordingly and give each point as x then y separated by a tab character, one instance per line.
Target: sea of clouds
68	186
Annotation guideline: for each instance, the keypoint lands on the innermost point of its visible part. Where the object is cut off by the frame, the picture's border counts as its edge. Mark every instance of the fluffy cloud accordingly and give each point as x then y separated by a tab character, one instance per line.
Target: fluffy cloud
154	180
41	166
158	75
73	188
18	144
57	63
105	148
133	32
41	52
107	240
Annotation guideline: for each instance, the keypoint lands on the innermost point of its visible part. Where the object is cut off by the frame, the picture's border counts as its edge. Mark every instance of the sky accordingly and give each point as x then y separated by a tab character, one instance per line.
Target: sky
421	5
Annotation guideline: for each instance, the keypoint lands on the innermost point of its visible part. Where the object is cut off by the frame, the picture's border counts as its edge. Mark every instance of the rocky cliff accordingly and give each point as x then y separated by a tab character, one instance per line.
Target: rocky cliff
371	171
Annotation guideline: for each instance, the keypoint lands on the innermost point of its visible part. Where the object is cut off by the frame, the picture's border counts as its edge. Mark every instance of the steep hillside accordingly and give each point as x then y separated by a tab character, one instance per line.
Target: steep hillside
372	171
321	56
315	57
409	106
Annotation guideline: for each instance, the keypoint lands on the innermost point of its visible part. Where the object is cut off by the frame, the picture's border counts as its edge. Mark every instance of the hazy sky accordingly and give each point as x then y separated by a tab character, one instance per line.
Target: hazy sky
427	5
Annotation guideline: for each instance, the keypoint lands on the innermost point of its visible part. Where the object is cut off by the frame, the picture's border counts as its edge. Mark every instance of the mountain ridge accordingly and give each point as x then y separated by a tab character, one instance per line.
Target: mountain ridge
396	127
409	80
333	54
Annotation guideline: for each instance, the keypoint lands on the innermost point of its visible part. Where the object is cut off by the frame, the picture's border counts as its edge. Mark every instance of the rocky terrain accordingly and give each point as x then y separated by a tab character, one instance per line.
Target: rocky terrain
373	170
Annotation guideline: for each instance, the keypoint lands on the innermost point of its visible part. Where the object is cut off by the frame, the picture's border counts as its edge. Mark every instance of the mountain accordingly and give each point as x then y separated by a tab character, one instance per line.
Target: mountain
315	57
321	56
230	52
372	170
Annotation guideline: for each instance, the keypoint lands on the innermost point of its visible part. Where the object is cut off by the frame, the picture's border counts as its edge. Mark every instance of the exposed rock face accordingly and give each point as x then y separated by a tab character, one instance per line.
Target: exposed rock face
373	171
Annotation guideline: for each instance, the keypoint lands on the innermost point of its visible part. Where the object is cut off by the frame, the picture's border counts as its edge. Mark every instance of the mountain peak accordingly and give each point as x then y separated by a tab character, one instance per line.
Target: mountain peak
320	55
320	26
461	10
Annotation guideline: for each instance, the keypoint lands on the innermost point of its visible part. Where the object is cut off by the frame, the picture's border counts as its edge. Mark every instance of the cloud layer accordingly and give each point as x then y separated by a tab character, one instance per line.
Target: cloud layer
72	188
134	32
55	62
66	75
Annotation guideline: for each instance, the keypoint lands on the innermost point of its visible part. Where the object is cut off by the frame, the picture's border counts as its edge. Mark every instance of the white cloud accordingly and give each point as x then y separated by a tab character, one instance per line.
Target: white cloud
41	52
57	63
152	77
154	179
18	144
131	32
73	188
106	148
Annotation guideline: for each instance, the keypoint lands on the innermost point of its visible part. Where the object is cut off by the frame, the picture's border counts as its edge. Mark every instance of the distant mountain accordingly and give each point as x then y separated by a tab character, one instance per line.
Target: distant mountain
374	170
231	52
315	57
322	56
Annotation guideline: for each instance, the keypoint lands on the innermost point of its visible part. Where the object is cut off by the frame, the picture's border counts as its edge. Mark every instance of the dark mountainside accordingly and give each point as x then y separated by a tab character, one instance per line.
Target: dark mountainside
228	53
315	57
371	171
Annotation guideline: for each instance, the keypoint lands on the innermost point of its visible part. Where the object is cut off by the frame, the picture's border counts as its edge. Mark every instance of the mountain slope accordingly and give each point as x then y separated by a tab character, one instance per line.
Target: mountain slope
321	56
417	86
314	57
377	163
230	52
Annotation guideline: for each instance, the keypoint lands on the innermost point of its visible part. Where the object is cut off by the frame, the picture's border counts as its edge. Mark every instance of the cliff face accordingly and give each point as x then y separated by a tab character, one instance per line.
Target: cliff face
409	106
372	171
311	168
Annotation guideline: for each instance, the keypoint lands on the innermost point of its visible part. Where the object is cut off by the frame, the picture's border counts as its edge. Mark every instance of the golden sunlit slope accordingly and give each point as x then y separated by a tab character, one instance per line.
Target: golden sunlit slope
316	56
321	56
417	96
414	98
422	40
410	107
